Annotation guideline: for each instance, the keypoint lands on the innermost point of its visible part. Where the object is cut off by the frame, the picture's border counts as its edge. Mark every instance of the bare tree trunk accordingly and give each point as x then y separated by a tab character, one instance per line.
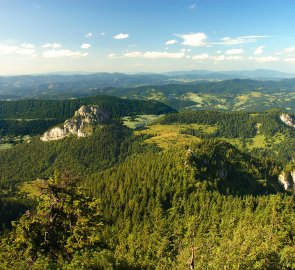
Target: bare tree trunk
192	260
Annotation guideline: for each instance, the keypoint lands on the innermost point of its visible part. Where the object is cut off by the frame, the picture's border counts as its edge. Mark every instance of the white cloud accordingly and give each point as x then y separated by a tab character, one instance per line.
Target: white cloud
89	35
121	36
113	56
234	51
289	50
85	46
28	45
218	52
63	53
259	50
255	37
201	57
238	40
24	49
290	60
7	49
265	59
218	58
154	55
192	7
236	57
171	42
194	39
135	54
52	45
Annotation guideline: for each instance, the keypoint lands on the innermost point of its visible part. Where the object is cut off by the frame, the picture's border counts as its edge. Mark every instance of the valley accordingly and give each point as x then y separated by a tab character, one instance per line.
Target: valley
164	174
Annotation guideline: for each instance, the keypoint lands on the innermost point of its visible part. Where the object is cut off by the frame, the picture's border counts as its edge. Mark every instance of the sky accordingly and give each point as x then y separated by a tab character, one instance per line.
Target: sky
131	36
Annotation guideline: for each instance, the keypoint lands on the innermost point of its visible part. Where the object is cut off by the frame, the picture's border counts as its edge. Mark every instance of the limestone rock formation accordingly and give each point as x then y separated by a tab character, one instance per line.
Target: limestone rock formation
287	179
80	125
287	119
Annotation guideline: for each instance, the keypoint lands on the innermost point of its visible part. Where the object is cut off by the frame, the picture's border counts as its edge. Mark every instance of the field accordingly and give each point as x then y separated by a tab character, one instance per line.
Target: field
4	146
8	142
167	136
139	121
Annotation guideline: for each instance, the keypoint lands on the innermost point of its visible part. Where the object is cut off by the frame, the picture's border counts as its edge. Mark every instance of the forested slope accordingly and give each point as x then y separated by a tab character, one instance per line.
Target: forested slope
161	205
107	146
152	205
33	117
63	109
155	207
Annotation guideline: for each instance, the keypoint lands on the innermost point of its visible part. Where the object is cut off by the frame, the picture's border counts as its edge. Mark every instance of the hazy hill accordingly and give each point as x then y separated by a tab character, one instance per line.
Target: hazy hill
262	74
52	85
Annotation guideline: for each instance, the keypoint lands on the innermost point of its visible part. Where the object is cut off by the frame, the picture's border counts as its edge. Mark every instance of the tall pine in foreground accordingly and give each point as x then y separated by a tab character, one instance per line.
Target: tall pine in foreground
63	232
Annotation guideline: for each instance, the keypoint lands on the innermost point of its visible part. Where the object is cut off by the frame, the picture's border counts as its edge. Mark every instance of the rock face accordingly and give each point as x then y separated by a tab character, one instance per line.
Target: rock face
287	119
287	179
56	133
80	125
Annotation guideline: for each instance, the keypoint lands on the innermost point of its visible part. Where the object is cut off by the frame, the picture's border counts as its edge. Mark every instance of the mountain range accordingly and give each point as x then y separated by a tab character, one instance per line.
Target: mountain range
41	85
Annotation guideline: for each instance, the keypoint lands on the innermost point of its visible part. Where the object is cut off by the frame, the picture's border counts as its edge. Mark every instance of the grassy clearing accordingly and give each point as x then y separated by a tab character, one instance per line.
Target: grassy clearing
154	95
8	142
4	146
167	136
195	97
259	141
139	121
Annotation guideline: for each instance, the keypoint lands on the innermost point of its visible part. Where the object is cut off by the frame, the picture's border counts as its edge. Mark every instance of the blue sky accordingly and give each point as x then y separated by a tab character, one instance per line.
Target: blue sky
39	36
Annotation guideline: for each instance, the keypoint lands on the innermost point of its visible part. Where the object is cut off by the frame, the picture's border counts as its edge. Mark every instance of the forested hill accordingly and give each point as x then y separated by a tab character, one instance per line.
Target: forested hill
160	205
262	134
63	109
106	146
233	124
145	208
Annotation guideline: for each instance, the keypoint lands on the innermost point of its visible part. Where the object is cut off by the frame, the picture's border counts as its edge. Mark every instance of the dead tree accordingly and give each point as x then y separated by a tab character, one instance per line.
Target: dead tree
192	260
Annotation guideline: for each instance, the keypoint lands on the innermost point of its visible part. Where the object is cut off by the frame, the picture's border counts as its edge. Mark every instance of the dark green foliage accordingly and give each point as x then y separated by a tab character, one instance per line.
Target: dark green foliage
271	124
160	205
178	104
155	206
25	127
107	146
11	208
231	124
64	109
66	227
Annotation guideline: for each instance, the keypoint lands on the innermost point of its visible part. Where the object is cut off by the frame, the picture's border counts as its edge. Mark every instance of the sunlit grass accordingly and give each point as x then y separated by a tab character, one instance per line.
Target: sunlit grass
167	136
5	146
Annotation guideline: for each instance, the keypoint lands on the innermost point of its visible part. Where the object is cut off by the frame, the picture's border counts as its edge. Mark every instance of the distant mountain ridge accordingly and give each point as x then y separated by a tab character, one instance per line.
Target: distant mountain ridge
25	86
234	74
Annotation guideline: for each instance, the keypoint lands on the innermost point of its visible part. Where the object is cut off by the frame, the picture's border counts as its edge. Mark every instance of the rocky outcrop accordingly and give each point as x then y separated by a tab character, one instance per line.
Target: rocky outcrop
287	119
287	179
80	125
56	133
